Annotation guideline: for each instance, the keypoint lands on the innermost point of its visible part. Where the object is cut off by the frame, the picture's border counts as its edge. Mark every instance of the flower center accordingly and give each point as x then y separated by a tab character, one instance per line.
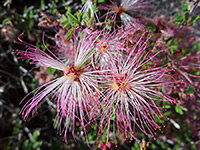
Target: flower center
119	83
73	73
102	47
119	9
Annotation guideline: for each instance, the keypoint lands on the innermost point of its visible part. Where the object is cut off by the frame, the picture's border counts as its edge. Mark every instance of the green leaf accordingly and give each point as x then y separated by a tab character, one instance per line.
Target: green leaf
83	1
67	25
186	16
51	71
64	19
191	87
72	19
174	46
5	21
88	15
37	144
194	19
80	16
31	23
179	110
69	33
167	113
95	6
151	27
189	92
91	21
136	146
42	5
167	106
26	12
31	14
108	27
69	10
197	46
184	109
179	19
185	8
36	133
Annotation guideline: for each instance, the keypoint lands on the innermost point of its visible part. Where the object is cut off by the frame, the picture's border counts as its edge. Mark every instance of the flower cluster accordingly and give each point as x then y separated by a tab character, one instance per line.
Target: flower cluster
105	75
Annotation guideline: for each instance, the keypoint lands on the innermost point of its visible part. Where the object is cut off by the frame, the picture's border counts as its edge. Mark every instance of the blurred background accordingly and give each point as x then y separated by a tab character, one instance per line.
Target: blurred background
38	133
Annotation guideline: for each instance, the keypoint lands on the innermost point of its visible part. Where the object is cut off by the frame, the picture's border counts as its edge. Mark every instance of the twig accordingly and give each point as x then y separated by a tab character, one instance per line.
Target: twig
10	75
11	110
194	7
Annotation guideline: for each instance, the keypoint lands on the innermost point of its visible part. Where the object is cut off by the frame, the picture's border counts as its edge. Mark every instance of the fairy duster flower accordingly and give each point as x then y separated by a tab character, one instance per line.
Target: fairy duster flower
74	92
130	93
126	9
107	45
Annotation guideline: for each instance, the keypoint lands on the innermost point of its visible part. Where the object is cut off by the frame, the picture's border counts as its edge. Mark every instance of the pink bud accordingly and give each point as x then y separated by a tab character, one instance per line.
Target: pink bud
101	145
191	40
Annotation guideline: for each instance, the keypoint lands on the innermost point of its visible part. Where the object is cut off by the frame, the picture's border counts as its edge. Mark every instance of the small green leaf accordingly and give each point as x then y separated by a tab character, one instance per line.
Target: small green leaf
72	19
91	21
136	146
194	19
151	27
31	23
51	71
69	33
184	109
42	5
167	106
67	25
69	10
31	13
108	27
185	8
83	1
36	133
197	46
112	117
81	17
188	92
5	21
64	19
179	19
174	46
88	15
186	16
95	6
167	113
179	110
191	87
37	144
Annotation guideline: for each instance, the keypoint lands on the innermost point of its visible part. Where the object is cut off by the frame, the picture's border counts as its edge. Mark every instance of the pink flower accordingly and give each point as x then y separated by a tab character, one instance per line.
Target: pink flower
107	46
126	9
75	92
131	91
